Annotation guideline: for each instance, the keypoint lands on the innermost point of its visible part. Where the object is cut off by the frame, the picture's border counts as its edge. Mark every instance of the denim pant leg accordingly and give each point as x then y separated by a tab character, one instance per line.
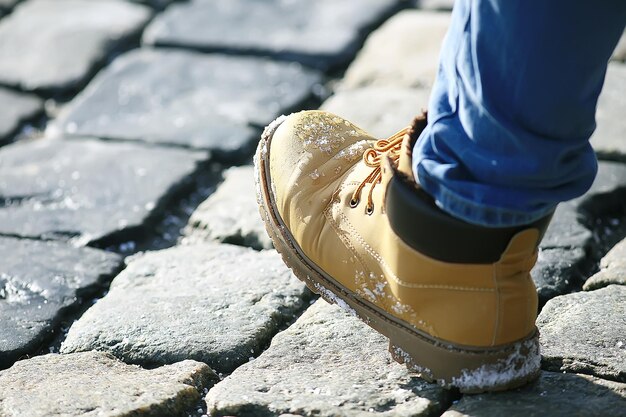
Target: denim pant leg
513	107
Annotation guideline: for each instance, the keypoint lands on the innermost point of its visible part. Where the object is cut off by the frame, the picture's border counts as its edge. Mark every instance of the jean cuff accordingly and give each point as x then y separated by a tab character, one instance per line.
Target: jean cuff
467	210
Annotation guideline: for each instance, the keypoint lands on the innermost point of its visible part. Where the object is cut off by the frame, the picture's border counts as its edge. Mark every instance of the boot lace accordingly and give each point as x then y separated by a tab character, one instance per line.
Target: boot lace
372	158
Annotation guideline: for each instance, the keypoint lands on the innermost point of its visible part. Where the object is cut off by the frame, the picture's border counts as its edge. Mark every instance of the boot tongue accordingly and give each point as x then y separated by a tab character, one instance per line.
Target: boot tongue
405	161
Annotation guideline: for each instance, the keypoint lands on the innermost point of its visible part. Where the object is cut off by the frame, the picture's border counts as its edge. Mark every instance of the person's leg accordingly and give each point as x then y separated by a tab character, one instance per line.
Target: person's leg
513	107
507	140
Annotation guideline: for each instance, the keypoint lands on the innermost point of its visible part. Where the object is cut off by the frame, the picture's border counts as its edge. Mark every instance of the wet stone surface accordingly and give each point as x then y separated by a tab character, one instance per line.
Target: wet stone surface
404	52
216	303
96	384
187	99
231	214
553	394
39	283
72	37
380	111
585	333
612	269
322	34
328	363
16	108
609	139
88	191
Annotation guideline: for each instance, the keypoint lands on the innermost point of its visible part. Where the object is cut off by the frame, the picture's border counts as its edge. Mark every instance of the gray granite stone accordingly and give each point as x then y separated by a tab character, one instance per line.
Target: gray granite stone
326	364
216	303
231	214
566	229
620	50
585	333
553	394
39	283
381	111
187	99
570	247
563	254
323	34
609	139
603	207
558	271
96	384
65	40
88	191
403	52
611	178
612	269
16	108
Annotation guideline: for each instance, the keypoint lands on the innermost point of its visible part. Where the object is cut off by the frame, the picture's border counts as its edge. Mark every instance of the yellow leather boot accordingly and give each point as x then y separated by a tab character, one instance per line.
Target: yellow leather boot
455	300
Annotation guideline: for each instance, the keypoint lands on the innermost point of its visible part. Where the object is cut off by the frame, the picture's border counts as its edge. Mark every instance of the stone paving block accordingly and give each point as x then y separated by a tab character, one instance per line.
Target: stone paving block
88	191
403	52
39	283
381	111
568	248
553	394
609	139
322	33
612	269
611	178
16	108
96	384
562	254
558	271
585	333
65	40
187	99
606	198
326	364
620	50
231	214
216	303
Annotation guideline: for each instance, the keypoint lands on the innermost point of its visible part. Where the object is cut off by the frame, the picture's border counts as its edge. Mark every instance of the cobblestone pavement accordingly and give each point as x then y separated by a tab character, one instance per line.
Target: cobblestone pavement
135	275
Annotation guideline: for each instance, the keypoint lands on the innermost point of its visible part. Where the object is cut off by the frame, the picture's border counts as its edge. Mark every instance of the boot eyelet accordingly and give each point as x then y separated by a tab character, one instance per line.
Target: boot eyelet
354	202
369	210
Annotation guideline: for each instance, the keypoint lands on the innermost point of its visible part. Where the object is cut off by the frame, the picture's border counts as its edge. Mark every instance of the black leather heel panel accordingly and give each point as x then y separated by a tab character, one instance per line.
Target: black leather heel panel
416	219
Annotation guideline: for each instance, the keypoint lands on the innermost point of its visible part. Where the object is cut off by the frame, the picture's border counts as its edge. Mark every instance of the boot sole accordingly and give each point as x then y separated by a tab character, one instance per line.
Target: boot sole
470	369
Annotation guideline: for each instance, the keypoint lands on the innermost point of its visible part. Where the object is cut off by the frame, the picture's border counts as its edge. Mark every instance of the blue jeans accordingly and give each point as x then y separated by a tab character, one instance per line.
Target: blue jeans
513	107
